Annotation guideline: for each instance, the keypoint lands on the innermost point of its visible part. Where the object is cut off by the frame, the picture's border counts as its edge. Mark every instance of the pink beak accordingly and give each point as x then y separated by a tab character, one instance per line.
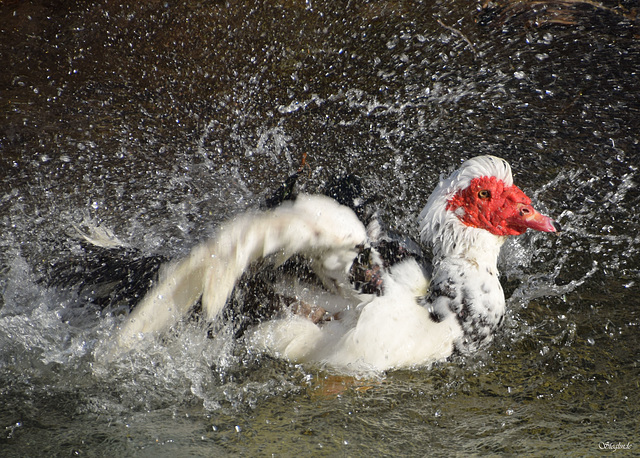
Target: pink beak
529	217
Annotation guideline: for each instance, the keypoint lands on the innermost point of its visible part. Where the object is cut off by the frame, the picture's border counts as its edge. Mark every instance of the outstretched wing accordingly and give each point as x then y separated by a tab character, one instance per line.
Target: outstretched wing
317	227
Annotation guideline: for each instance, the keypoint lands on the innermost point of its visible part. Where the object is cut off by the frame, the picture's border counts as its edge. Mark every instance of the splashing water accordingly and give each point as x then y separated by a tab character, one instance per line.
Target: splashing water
158	121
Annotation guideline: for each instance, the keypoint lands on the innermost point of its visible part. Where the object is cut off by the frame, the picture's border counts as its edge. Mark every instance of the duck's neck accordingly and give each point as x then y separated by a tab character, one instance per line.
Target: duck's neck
465	283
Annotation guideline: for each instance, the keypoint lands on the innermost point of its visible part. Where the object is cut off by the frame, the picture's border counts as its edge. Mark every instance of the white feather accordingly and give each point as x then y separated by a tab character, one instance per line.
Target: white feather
314	225
391	331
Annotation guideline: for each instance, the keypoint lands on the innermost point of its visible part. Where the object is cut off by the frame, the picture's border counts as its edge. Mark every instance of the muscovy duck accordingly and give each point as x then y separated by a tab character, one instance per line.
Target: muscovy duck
410	314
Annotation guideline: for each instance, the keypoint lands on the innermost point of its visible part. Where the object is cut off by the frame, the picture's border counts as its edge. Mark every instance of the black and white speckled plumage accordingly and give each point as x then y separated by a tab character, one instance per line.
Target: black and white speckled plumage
473	297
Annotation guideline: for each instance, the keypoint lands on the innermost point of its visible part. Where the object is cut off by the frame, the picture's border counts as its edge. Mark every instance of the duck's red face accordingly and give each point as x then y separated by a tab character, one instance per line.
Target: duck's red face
502	210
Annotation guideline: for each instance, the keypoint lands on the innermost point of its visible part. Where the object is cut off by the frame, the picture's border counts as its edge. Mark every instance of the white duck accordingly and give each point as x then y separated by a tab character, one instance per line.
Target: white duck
414	320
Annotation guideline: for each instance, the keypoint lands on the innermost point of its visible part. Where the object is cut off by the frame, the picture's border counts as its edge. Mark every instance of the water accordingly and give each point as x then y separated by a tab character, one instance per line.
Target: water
160	120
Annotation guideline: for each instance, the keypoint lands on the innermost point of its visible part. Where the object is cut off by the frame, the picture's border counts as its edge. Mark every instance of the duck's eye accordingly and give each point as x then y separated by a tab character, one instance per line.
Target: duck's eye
484	194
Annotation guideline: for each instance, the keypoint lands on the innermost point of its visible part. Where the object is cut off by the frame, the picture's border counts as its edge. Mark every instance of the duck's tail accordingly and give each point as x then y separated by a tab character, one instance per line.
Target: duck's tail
312	225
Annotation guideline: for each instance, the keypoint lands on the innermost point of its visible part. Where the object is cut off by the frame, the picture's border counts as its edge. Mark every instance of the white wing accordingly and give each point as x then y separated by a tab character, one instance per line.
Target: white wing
315	226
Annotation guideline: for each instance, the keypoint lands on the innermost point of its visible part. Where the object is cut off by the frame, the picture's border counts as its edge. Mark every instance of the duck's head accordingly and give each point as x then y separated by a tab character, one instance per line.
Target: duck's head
478	204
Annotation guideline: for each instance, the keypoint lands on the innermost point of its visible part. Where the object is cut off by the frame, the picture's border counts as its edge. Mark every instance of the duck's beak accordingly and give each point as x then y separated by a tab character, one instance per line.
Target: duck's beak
529	217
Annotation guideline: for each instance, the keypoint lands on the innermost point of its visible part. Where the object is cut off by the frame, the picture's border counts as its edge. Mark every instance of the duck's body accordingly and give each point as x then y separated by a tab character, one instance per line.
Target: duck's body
414	316
392	330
